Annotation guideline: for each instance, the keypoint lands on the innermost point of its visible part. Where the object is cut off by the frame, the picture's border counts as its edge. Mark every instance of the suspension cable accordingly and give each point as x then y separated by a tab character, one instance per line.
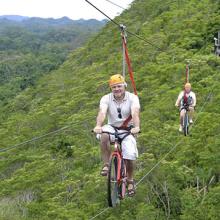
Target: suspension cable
118	25
40	137
104	210
113	3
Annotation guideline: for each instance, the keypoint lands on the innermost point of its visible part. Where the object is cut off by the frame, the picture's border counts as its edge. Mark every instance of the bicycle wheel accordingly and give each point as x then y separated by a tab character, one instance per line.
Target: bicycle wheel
113	198
186	124
123	180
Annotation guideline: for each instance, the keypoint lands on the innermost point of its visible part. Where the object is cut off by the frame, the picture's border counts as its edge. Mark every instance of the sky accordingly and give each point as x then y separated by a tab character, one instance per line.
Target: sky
74	9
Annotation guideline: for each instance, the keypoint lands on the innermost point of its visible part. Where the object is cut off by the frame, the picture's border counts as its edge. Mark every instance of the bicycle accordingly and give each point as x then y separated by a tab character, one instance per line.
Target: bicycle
117	174
186	119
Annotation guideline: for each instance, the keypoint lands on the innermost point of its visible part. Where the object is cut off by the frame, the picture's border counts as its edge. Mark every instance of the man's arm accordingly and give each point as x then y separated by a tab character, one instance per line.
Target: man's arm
178	100
101	115
194	100
135	113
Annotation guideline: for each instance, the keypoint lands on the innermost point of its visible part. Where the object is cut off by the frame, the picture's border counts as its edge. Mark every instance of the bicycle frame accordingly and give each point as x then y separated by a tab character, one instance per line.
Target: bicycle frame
117	165
118	154
186	120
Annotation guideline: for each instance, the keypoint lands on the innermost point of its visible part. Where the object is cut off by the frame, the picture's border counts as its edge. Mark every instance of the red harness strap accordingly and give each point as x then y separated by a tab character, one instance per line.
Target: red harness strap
185	99
187	73
124	126
129	66
125	123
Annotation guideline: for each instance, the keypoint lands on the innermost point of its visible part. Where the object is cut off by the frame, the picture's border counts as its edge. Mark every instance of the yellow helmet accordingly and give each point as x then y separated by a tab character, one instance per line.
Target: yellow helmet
187	85
116	79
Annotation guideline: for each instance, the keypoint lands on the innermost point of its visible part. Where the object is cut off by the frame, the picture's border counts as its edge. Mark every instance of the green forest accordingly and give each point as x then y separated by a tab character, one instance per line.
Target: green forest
33	47
57	176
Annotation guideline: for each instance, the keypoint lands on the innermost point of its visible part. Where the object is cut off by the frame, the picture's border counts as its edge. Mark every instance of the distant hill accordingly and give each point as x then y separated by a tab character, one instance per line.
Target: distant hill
14	17
59	21
31	47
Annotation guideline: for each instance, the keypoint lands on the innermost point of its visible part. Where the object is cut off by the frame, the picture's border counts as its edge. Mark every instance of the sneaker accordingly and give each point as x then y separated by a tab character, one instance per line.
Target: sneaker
180	128
190	121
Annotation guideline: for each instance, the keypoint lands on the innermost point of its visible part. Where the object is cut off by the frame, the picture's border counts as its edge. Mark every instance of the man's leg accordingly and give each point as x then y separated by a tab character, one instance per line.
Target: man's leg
130	165
182	113
105	148
130	153
191	113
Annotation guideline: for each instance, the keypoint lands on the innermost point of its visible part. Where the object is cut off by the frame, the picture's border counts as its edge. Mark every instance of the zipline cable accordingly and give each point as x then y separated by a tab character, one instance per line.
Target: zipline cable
118	25
102	13
158	163
113	3
40	137
33	139
104	210
187	71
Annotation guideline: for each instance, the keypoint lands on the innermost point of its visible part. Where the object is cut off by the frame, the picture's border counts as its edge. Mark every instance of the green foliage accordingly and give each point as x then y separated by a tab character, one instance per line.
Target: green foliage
60	173
34	47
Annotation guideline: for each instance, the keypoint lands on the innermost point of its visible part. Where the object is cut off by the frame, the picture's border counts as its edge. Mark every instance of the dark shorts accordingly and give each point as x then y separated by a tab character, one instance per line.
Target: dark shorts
182	107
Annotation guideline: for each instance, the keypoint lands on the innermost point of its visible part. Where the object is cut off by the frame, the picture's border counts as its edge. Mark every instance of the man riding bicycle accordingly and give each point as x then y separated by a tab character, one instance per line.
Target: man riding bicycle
186	98
118	106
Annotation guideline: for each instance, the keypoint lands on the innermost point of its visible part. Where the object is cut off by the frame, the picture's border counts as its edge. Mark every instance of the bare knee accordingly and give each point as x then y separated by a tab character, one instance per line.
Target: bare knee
182	113
191	110
105	139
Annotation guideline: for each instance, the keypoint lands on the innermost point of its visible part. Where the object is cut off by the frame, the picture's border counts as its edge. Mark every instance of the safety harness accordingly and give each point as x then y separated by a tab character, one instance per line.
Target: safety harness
128	61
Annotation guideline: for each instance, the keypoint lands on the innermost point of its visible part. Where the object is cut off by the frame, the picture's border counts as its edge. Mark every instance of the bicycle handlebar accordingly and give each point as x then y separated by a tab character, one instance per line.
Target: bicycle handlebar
106	132
185	106
111	133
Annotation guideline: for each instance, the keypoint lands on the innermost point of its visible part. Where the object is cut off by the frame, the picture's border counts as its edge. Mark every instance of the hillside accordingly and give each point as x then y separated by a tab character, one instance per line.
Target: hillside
57	177
32	47
17	18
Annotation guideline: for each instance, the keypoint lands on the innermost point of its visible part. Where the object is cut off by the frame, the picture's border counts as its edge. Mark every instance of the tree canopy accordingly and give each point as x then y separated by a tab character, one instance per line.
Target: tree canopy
57	177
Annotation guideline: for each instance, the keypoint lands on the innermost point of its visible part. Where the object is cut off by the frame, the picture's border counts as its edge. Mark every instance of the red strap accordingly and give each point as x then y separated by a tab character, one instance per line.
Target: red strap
187	73
185	99
129	66
125	123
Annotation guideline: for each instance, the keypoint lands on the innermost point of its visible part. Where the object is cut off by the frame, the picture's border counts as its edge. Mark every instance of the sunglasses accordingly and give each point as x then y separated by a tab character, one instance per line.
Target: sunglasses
119	113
